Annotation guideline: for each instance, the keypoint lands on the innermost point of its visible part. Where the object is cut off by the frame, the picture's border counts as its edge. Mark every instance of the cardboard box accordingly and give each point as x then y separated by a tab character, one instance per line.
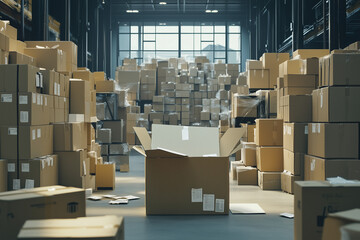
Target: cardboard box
295	137
319	169
60	104
48	58
315	200
85	75
235	164
4	57
18	58
254	65
297	108
333	140
104	135
248	153
249	133
297	91
121	162
7	29
39	172
72	168
93	160
246	175
26	142
299	80
269	159
287	182
174	197
334	225
294	162
22	205
122	148
269	180
22	78
117	130
70	136
80	97
105	176
69	48
99	76
336	104
310	53
269	132
99	227
105	86
129	80
258	79
51	82
272	61
3	175
293	66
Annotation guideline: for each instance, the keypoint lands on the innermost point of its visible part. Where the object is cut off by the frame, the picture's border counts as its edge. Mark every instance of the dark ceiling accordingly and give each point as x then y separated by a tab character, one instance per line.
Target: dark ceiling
180	9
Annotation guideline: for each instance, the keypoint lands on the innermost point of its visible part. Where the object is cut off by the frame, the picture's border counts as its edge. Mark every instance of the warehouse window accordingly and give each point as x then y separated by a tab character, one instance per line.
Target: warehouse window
144	41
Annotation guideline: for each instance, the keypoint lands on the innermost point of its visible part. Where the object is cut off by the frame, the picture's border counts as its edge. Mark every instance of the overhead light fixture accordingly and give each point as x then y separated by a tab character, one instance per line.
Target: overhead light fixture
214	11
132	11
211	11
162	24
162	3
208	11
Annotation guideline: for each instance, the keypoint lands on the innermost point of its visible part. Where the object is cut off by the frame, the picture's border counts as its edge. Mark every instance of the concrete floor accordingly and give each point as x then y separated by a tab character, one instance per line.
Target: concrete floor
139	226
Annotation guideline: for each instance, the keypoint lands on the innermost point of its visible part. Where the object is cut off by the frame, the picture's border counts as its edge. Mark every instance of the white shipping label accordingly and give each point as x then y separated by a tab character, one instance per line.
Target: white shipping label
24	116
196	195
321	99
12	131
289	130
312	165
39	133
219	205
45	101
41	100
6	60
55	88
23	99
25	167
11	167
313	128
41	81
284	130
208	202
16	184
38	97
58	89
185	133
6	98
37	81
84	167
34	97
33	134
42	163
318	127
306	130
29	183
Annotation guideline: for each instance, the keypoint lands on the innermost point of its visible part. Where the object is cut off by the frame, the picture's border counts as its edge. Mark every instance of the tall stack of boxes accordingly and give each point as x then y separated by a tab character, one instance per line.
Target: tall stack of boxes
147	84
333	140
269	153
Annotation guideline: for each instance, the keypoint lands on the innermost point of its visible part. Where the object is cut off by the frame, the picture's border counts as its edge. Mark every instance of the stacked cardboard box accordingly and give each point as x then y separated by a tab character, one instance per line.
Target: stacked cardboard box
233	71
147	84
269	153
271	61
257	76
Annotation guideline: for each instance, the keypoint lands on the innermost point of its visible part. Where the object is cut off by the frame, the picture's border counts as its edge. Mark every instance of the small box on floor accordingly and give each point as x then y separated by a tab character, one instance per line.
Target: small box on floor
248	153
246	175
235	164
269	180
112	227
121	162
105	175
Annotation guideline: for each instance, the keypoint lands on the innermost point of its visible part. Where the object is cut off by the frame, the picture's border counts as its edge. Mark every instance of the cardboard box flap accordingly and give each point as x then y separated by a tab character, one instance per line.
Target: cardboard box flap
143	137
163	153
230	140
190	141
236	149
140	150
352	215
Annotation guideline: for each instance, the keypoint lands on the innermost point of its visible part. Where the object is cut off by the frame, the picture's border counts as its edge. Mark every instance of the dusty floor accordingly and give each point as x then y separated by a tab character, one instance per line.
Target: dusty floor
140	226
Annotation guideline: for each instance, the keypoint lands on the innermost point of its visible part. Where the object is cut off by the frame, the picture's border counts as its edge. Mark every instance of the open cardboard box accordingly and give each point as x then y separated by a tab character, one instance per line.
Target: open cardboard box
187	168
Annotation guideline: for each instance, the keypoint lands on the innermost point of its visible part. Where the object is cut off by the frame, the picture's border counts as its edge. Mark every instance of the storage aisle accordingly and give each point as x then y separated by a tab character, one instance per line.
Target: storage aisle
140	226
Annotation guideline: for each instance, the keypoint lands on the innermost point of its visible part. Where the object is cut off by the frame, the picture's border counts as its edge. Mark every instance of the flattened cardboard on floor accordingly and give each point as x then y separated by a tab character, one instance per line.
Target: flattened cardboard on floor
170	192
38	203
314	200
99	227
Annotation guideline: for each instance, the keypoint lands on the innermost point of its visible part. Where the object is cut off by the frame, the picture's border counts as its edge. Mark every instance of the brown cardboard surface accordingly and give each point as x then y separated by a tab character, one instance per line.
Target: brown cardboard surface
335	221
294	163
34	141
333	140
97	228
297	91
246	175
297	108
70	136
7	29
336	104
287	182
258	79
72	168
80	97
48	58
22	205
295	137
269	159
319	169
117	130
310	53
105	176
3	175
269	132
18	58
315	200
269	180
25	74
299	80
39	172
105	86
